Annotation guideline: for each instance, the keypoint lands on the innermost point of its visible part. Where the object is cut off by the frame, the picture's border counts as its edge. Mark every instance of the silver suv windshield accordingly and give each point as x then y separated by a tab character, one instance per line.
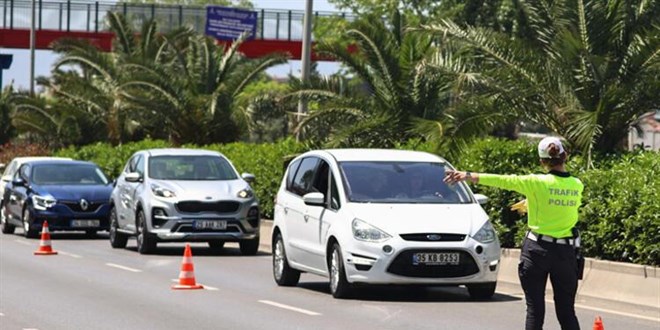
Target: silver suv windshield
188	167
400	182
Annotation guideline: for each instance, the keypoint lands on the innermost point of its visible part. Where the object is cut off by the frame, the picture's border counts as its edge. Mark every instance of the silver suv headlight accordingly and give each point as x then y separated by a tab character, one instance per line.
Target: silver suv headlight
43	202
245	193
365	232
486	234
162	192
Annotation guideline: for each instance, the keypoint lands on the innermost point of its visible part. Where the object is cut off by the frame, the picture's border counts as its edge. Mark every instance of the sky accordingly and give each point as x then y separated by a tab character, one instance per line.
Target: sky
19	72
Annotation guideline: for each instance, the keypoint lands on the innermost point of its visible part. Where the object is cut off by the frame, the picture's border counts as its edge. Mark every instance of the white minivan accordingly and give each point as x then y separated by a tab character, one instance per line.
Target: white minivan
372	216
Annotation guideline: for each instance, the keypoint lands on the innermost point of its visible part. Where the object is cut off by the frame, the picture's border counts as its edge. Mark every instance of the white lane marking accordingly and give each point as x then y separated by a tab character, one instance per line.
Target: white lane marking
30	329
210	288
69	254
291	308
603	310
21	242
124	268
2	314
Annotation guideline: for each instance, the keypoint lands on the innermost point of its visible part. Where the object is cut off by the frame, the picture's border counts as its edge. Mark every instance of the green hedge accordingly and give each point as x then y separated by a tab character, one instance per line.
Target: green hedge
620	217
265	161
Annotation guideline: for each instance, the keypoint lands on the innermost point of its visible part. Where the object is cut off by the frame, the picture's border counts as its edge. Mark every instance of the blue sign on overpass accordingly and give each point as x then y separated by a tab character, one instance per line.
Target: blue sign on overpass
229	23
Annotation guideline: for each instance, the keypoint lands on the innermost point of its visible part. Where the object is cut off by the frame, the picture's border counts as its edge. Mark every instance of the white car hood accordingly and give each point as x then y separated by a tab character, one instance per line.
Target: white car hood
398	219
203	190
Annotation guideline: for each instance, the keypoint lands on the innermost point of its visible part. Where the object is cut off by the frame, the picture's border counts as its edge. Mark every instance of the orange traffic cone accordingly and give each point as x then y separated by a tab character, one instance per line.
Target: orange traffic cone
44	245
598	324
187	274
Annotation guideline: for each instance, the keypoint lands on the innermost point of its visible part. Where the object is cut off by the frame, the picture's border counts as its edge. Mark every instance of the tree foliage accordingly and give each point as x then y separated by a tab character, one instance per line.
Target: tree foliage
398	95
590	69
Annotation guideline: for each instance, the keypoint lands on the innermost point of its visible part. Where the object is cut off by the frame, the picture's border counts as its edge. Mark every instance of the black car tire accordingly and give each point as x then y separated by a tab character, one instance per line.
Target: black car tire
216	245
117	240
283	274
146	242
28	232
341	288
249	247
5	226
482	291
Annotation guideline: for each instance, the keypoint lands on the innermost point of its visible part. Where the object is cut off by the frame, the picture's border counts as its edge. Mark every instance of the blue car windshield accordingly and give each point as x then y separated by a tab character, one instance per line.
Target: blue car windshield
68	174
189	167
400	182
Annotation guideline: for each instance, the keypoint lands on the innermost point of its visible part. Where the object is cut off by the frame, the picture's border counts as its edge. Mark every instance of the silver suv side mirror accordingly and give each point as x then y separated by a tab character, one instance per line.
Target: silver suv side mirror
133	177
249	177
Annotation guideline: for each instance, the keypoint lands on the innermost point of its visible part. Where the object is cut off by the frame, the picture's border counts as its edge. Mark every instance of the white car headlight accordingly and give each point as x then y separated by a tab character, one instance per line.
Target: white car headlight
162	192
486	234
365	232
245	193
43	202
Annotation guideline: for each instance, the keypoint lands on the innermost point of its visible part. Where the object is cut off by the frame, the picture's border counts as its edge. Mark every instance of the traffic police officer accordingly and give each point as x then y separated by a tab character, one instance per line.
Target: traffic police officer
549	247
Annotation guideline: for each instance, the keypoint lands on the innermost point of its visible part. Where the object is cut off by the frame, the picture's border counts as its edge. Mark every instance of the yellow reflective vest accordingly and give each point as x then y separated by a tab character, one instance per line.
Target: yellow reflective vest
553	199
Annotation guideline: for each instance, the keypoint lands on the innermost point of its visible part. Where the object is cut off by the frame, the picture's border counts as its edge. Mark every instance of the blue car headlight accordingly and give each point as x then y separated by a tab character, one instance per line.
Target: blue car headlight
43	203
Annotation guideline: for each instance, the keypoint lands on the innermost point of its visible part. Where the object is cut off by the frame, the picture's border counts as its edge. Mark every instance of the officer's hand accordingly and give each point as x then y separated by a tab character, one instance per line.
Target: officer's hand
520	207
452	177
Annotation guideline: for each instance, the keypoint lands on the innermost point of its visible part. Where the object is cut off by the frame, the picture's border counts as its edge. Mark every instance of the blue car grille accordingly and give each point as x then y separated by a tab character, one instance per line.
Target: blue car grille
75	207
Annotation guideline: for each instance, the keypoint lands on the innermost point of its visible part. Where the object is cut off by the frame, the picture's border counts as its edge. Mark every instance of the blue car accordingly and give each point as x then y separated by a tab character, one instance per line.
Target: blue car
70	195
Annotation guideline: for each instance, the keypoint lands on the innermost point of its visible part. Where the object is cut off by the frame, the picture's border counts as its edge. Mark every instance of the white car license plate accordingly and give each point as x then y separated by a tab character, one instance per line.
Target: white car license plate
442	258
210	224
85	223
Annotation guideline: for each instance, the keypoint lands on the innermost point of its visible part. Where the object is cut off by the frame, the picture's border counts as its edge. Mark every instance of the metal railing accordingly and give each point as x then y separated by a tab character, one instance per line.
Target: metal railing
89	16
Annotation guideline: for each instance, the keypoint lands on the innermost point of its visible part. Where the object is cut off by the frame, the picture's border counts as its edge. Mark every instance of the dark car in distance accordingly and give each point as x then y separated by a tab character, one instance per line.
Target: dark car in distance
70	195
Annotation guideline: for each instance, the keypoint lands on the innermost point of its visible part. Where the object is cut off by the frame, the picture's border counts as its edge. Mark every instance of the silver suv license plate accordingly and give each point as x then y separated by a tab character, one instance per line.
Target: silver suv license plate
442	258
210	224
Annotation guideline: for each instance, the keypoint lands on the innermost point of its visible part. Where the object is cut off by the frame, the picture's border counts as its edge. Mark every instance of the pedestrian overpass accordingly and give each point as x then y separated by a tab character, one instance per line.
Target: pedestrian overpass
277	30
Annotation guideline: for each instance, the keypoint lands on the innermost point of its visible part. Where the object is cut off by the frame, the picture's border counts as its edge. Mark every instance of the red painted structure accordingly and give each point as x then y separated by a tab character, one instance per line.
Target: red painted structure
20	38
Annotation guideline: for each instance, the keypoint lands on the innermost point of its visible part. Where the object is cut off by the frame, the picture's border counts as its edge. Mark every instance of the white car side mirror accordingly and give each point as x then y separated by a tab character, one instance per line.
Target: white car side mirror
481	199
314	199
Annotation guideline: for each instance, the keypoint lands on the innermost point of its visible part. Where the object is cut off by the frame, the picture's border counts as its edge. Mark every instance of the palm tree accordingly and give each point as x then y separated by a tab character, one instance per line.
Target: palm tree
196	92
7	130
590	68
98	86
399	95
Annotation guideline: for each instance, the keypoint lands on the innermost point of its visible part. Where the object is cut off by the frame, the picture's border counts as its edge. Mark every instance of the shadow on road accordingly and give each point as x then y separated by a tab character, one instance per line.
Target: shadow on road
407	293
198	250
73	236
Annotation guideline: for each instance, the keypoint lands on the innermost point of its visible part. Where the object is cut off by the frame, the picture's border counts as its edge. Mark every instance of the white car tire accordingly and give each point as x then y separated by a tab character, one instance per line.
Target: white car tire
283	274
339	286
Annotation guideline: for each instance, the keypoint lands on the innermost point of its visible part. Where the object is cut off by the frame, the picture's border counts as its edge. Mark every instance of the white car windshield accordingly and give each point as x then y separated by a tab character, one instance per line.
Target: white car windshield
68	174
400	182
190	168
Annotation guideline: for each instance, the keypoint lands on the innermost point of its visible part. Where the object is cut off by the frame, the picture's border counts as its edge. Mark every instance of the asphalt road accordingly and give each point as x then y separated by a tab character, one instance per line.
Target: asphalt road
89	285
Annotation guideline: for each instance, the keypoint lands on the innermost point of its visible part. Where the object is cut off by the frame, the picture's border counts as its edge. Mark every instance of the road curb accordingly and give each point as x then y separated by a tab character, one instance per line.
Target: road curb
616	282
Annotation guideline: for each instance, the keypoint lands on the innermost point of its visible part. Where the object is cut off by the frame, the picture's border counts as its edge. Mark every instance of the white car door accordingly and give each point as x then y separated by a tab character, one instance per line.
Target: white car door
320	218
294	209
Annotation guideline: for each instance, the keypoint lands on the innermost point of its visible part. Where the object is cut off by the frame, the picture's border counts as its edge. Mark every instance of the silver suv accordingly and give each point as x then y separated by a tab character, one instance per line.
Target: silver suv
183	195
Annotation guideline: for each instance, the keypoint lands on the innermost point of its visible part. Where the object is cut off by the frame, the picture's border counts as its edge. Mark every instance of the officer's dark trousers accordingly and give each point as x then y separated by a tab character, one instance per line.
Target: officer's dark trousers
537	261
